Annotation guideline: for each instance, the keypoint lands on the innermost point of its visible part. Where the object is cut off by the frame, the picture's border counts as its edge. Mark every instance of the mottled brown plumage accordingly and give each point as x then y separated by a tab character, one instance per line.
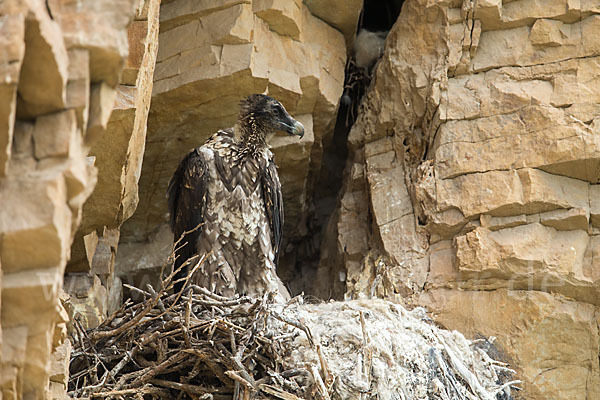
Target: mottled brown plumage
229	190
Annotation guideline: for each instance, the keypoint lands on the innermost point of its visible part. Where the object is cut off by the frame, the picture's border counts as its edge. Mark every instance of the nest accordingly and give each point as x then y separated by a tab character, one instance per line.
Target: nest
193	345
198	345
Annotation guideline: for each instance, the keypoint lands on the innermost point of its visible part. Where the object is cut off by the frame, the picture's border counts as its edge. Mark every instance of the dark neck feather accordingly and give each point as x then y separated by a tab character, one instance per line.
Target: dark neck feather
250	134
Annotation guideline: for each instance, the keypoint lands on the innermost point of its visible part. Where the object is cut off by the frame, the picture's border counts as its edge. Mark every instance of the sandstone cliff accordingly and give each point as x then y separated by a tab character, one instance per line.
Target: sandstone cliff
62	62
471	184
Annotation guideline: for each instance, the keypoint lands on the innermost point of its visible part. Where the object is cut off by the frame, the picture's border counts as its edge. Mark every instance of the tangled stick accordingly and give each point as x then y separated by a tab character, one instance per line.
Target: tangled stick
200	346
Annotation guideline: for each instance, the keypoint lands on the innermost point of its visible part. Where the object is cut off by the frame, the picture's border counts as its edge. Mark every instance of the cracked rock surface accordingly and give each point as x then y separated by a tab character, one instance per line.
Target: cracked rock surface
473	178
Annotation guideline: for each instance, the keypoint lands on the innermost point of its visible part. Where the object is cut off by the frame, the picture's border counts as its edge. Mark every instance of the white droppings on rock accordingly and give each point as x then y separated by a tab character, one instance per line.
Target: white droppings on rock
379	347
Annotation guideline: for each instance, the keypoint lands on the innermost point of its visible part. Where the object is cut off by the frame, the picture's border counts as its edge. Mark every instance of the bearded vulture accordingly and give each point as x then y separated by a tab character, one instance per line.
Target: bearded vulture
225	204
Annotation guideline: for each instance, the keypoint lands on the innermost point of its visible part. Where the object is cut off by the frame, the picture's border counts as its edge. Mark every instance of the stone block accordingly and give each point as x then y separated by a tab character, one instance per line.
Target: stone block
546	32
113	152
505	193
28	298
497	193
527	257
232	26
550	340
137	34
524	13
283	16
37	366
354	238
59	363
55	134
556	191
12	361
43	76
462	102
391	193
102	100
137	142
99	27
119	152
566	220
103	261
39	218
489	12
80	177
22	146
88	298
472	146
442	270
90	242
179	12
512	46
595	205
78	86
12	41
496	223
341	14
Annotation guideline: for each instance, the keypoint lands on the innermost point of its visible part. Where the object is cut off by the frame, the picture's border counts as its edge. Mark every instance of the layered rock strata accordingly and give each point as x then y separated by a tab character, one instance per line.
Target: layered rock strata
473	179
117	155
211	55
61	64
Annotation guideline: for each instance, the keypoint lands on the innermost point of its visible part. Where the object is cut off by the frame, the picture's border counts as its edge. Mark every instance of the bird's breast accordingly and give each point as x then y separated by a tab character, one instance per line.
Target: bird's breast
234	201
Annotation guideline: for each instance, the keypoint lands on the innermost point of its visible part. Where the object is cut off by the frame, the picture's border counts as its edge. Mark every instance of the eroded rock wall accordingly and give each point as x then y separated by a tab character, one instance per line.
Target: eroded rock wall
472	183
61	62
211	55
117	154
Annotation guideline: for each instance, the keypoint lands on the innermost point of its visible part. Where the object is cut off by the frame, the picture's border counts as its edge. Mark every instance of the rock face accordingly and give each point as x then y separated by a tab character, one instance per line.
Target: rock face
117	155
211	55
472	183
61	64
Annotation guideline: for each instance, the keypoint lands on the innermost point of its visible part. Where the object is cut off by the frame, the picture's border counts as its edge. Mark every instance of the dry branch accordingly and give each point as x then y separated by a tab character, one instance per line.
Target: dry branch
185	346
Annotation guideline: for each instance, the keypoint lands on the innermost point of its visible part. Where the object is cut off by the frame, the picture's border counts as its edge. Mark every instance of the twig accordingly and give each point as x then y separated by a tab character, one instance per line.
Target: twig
321	389
239	379
278	392
114	332
194	389
297	324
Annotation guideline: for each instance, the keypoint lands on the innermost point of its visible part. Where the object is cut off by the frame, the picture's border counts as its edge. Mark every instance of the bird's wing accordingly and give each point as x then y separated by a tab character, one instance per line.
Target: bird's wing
186	197
273	204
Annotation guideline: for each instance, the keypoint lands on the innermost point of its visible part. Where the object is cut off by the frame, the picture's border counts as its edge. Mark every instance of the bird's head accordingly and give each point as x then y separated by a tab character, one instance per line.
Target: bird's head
264	114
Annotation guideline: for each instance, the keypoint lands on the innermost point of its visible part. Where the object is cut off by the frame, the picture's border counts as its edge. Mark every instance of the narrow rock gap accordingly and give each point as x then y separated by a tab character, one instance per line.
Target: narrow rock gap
378	16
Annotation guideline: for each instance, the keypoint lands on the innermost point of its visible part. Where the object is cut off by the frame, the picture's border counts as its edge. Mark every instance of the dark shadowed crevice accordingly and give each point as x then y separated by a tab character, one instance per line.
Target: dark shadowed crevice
380	15
300	273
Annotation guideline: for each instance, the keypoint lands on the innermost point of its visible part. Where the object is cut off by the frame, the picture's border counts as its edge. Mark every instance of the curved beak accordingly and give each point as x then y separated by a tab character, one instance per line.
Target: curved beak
298	129
292	127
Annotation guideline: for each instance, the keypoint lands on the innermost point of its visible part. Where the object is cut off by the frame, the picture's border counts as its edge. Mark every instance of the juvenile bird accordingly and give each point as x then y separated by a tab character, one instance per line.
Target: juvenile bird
225	203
